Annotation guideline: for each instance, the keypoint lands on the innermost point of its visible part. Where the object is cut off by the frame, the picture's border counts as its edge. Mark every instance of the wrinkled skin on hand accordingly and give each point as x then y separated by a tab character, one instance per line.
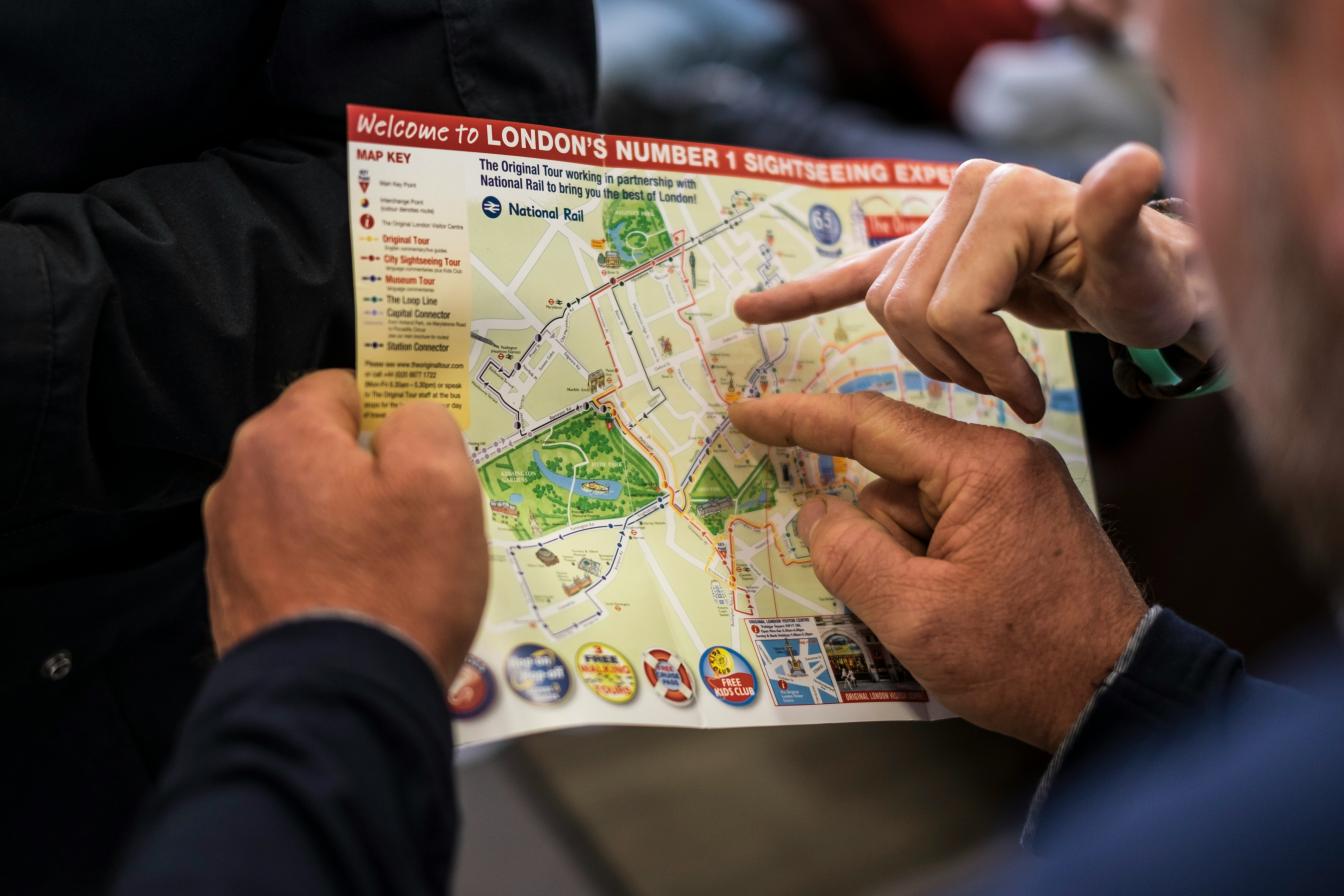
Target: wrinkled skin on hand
973	557
304	520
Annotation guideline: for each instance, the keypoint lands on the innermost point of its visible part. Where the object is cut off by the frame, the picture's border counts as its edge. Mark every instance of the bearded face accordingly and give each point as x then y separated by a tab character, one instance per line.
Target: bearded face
1257	160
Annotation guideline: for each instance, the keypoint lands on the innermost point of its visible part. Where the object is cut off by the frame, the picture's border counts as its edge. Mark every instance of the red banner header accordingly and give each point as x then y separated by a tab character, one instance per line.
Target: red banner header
484	136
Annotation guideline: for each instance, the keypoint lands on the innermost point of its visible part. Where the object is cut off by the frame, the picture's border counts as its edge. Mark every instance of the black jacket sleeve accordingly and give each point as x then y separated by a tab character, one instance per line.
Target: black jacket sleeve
317	760
144	318
1176	681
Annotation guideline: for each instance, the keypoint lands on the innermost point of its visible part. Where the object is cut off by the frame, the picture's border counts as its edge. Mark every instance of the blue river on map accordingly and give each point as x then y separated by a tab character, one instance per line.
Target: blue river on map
568	483
1063	400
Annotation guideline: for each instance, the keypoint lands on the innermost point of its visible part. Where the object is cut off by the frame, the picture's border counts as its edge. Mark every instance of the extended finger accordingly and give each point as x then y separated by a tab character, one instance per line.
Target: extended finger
842	284
895	440
910	292
876	302
1006	238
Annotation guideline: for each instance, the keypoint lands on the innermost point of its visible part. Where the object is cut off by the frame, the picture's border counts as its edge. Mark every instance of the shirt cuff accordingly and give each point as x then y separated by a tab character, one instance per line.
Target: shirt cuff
329	646
365	619
1042	794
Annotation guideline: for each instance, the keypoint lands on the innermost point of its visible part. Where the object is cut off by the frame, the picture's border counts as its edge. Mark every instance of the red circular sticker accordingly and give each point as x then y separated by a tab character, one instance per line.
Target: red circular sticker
473	689
668	676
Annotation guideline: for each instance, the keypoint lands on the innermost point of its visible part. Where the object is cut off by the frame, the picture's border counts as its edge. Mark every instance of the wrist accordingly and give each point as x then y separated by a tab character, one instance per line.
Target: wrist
1110	654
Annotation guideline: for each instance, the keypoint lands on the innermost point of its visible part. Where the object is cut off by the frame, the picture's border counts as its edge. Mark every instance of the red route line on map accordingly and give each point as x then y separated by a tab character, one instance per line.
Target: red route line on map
690	291
679	236
770	530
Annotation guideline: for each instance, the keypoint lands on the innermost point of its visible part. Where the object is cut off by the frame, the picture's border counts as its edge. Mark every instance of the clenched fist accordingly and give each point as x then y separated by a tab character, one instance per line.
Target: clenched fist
973	558
304	520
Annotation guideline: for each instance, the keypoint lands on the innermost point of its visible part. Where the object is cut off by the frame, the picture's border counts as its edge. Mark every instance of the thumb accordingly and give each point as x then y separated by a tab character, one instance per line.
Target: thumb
1112	196
853	556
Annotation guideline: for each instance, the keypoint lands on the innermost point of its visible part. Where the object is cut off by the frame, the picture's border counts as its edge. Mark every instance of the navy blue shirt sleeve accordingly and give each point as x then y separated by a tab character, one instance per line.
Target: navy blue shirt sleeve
317	760
1176	680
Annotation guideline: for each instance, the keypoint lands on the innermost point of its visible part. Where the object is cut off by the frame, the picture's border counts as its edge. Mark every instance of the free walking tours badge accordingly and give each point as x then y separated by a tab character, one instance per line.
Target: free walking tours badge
606	673
537	674
728	676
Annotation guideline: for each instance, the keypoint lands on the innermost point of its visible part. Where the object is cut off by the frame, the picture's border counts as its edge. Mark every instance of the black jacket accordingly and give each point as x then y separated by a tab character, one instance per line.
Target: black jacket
173	251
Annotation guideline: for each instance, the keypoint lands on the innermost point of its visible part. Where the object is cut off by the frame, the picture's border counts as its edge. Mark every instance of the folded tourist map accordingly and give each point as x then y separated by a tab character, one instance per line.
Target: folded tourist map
569	296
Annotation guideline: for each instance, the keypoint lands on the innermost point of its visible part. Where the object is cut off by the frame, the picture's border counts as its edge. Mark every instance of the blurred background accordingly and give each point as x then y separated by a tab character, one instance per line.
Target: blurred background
894	808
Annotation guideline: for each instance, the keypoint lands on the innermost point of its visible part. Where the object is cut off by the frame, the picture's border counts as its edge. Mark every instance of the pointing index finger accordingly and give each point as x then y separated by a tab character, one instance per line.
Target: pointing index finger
835	287
899	442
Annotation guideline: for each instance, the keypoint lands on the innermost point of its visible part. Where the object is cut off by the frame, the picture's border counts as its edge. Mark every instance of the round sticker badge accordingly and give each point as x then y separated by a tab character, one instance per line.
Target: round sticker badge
824	223
537	674
473	689
728	676
669	677
606	673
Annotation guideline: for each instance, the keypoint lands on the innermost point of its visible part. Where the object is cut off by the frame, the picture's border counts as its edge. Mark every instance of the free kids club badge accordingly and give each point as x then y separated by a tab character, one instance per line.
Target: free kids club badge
728	676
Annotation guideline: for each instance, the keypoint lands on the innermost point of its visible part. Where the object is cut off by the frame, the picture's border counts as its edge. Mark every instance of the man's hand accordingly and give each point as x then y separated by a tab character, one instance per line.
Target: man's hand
305	520
1053	253
974	558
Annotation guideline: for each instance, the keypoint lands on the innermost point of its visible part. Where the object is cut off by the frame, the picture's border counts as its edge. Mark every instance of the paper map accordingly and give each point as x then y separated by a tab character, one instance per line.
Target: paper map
569	296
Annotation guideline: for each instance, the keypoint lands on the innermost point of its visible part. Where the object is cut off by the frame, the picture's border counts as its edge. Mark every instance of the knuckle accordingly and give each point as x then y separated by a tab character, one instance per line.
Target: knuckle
902	309
251	439
1012	449
875	299
972	173
1048	456
1009	177
943	315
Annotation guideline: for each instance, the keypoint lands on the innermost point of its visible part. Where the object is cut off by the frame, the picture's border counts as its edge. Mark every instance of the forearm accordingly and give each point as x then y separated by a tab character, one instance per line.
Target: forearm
316	760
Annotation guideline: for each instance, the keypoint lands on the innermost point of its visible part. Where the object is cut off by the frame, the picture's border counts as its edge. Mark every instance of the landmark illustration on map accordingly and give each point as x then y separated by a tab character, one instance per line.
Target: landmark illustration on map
574	308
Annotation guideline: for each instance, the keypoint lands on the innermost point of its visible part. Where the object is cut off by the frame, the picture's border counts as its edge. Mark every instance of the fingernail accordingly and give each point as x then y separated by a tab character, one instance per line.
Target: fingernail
808	518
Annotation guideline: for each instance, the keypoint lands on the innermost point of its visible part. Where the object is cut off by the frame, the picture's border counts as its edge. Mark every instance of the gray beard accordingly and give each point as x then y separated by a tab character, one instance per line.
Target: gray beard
1286	351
